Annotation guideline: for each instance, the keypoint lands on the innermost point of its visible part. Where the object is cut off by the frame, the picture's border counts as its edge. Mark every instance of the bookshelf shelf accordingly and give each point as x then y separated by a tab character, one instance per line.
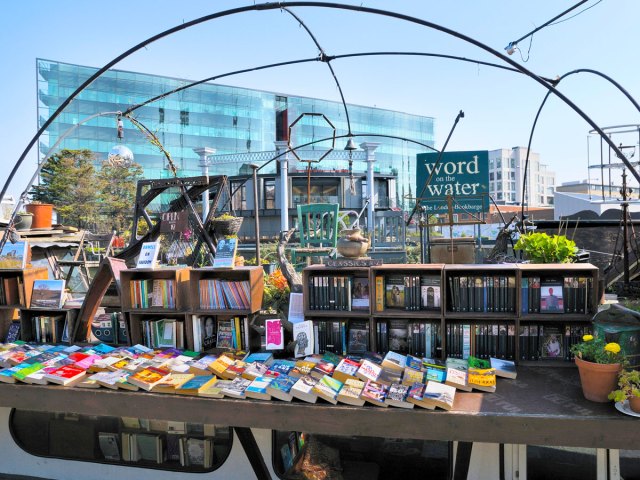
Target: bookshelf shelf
54	320
17	287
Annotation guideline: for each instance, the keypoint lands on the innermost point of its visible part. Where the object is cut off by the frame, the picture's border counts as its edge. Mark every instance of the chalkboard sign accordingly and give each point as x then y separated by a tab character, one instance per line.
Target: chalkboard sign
174	222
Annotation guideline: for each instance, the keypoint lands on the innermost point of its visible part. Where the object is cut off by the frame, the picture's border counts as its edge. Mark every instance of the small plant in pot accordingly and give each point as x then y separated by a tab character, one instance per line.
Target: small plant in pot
538	247
598	364
629	389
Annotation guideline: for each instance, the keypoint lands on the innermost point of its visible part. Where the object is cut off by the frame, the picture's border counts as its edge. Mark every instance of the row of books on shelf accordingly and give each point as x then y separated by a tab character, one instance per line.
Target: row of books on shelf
407	292
550	342
214	332
409	337
481	340
566	295
393	379
150	293
338	292
216	294
482	293
188	451
163	333
50	328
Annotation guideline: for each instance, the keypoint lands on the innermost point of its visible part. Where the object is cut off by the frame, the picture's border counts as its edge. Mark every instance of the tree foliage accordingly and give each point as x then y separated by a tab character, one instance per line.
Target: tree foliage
99	200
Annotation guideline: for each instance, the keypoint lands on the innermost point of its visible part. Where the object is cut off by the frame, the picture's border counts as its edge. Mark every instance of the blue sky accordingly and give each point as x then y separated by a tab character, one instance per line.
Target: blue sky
499	106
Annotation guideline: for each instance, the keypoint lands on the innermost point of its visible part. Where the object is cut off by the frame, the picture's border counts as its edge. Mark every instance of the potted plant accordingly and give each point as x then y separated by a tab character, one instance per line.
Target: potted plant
42	214
538	247
23	221
629	389
598	363
226	224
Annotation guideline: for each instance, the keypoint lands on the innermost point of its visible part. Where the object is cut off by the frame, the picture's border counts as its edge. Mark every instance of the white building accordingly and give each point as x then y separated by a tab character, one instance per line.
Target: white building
506	174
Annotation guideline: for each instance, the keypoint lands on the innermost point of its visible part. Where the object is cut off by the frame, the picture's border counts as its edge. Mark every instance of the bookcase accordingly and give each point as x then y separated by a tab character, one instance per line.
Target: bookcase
52	325
223	301
454	310
16	286
154	298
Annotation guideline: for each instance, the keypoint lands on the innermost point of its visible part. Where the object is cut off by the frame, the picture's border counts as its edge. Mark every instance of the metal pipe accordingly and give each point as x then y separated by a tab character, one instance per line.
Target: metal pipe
256	210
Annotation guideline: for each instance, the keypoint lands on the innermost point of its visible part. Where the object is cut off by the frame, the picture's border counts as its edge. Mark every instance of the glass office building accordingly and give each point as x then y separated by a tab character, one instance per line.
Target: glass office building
230	119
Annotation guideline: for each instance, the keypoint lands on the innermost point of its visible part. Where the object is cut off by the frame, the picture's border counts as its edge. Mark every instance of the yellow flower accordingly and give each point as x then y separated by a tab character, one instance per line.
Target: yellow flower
587	338
612	347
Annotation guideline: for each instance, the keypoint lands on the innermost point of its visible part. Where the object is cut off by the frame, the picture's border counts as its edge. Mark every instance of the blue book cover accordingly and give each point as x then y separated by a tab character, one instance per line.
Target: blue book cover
262	357
283	383
525	295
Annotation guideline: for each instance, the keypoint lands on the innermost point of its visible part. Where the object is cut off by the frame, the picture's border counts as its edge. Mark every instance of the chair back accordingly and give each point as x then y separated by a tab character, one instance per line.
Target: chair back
318	224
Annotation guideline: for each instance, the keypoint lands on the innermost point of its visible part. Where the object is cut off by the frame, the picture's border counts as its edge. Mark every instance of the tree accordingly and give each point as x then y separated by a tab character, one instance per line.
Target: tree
68	181
118	193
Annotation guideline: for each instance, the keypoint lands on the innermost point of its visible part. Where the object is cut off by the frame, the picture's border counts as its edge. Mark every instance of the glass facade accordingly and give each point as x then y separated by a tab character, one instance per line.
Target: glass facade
230	119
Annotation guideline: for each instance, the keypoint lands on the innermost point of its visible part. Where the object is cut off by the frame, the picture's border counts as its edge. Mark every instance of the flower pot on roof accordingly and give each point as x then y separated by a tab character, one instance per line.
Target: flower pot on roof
42	214
23	221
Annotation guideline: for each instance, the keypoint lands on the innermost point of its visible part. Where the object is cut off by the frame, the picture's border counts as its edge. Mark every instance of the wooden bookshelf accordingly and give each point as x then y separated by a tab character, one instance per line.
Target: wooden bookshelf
482	309
227	289
137	316
62	318
20	284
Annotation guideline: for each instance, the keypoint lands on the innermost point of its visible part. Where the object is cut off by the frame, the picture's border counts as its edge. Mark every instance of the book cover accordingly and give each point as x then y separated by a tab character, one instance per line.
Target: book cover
254	370
482	379
214	389
350	392
415	395
551	342
346	369
504	368
397	396
399	336
258	388
322	368
369	371
327	388
394	361
411	376
237	388
47	294
360	294
274	334
65	375
457	379
148	257
148	377
375	393
380	293
430	292
13	333
304	338
358	341
301	368
14	255
280	387
551	297
280	367
394	291
226	253
109	445
439	395
172	382
303	389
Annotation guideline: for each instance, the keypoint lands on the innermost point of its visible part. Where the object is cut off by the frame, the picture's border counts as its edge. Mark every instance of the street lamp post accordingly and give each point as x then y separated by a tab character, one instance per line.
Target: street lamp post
204	153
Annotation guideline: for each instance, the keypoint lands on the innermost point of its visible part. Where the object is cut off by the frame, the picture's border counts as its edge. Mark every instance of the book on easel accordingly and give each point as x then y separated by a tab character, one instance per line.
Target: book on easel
226	253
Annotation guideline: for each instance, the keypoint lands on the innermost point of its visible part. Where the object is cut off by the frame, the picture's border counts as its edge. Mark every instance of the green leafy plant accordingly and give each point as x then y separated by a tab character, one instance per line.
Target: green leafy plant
629	383
276	292
542	248
595	350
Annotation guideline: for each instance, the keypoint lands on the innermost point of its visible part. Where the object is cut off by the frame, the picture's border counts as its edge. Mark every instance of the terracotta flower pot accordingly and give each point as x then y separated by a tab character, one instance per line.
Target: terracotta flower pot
42	214
634	403
597	379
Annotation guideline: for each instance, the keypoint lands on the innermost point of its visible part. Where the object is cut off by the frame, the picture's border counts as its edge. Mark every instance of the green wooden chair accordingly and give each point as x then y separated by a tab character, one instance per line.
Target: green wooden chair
318	229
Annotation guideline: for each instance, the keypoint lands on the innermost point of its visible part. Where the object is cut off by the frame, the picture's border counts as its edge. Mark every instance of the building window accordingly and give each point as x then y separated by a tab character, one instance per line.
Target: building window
512	175
382	193
161	115
184	118
513	163
499	175
323	190
490	175
498	163
269	189
239	195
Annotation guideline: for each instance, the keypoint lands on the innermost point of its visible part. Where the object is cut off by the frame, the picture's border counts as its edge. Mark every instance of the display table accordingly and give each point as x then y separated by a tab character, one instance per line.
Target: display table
544	406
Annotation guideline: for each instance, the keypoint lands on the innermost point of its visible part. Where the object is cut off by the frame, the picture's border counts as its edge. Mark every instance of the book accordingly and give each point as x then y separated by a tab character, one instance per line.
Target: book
327	388
195	385
301	368
321	369
148	257
265	358
411	376
197	452
394	361
350	392
148	377
220	364
394	291
226	253
235	370
483	379
439	395
258	388
109	379
274	334
398	336
109	445
304	338
416	394
303	389
14	256
430	292
458	379
374	393
369	370
172	382
237	388
358	341
397	396
346	369
13	333
254	370
66	375
551	344
214	389
551	297
360	293
503	368
280	367
47	294
434	370
280	387
147	447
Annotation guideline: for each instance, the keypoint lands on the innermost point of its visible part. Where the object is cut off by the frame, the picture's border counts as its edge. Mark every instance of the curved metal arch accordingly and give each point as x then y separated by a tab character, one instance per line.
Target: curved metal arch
601	130
280	5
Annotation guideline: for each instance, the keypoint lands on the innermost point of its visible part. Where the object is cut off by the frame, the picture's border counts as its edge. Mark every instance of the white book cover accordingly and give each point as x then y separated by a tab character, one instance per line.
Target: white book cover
304	338
148	257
